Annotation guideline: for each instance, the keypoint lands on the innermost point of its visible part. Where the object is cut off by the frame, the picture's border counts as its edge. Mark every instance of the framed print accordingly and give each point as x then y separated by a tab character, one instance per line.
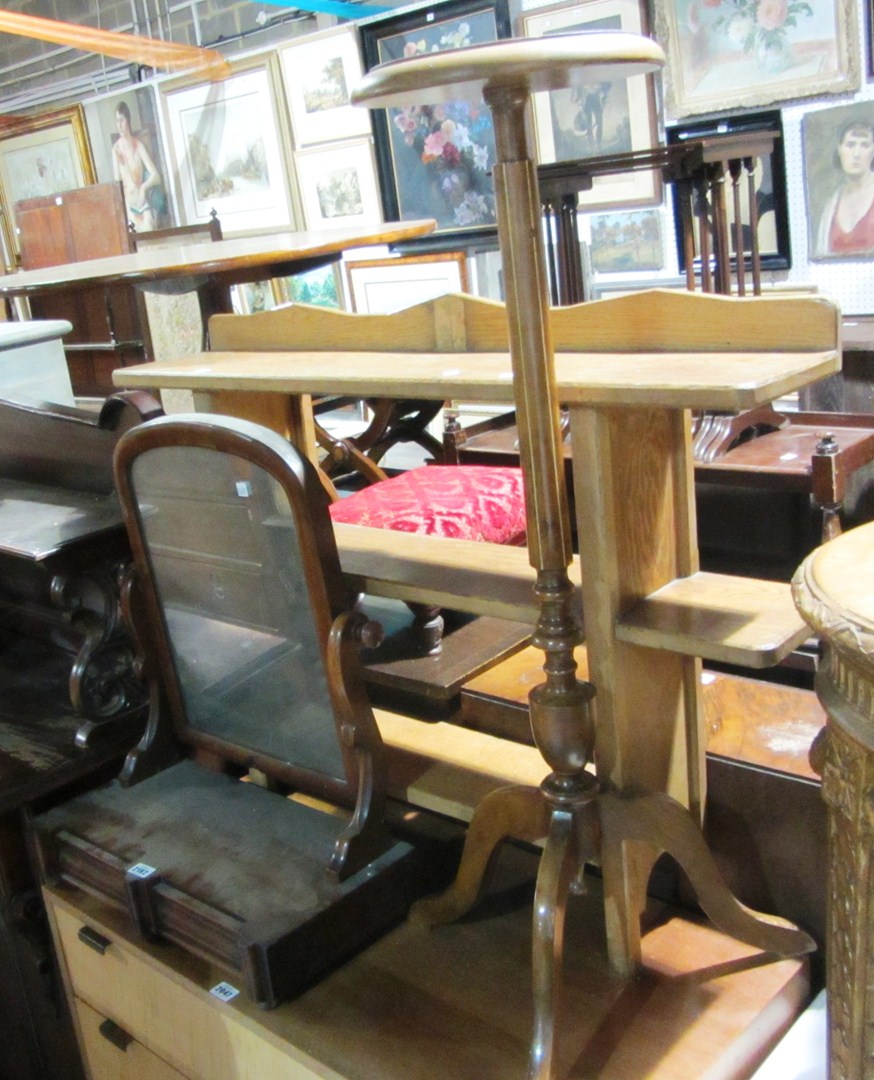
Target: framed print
604	118
380	286
770	181
624	243
42	155
126	145
838	148
736	53
435	161
338	185
318	71
320	286
253	296
227	141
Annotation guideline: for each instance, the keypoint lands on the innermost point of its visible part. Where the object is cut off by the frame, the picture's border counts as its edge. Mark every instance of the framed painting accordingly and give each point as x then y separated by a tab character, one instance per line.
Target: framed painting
726	54
252	297
604	118
338	185
42	155
627	242
380	286
127	145
435	161
321	286
229	146
838	146
318	72
772	205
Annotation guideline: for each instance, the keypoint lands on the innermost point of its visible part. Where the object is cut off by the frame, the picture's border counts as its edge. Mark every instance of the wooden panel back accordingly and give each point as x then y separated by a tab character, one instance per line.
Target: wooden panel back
662	320
86	223
656	320
452	323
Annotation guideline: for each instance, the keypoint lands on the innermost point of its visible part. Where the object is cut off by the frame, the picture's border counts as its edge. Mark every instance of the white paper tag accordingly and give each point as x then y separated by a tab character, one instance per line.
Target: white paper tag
141	870
224	991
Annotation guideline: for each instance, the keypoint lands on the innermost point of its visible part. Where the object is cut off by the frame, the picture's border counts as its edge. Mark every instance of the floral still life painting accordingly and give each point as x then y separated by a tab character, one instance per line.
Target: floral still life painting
723	53
442	155
451	148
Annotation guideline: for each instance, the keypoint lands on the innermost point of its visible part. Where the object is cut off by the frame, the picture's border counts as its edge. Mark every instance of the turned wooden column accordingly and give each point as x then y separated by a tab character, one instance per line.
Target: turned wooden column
834	591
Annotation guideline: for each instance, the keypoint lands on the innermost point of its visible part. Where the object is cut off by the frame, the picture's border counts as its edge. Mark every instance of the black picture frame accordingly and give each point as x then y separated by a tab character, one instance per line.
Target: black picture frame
869	27
776	254
448	180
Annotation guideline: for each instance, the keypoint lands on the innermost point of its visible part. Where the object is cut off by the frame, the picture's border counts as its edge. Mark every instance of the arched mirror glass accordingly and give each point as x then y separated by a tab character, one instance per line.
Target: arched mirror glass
223	547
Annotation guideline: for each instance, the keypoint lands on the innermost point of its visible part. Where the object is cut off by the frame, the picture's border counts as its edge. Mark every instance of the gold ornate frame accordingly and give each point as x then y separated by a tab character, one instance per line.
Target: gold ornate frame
56	142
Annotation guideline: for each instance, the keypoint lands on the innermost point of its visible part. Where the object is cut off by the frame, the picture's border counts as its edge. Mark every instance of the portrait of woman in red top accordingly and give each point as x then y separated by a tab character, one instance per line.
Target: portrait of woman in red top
846	223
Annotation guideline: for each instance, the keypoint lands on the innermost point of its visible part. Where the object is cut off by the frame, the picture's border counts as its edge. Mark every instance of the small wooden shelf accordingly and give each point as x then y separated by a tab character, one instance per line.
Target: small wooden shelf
728	619
733	620
481	578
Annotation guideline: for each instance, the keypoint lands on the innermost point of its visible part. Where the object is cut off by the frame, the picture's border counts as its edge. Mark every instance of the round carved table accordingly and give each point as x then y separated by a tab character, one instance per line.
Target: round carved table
834	591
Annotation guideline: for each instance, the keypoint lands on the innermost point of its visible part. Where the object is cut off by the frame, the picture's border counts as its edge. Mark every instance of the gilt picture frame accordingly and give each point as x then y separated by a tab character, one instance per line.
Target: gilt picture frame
607	118
435	161
230	149
741	53
42	155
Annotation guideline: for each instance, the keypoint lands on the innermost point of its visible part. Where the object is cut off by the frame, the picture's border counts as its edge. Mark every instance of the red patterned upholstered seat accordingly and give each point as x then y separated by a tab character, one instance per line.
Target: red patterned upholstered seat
461	502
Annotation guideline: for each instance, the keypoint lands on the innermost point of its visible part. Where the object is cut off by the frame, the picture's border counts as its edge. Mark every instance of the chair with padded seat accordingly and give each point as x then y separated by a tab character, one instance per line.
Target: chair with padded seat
250	640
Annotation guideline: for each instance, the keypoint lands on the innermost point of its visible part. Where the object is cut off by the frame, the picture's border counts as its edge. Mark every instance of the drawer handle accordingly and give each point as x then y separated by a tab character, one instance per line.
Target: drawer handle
116	1035
93	940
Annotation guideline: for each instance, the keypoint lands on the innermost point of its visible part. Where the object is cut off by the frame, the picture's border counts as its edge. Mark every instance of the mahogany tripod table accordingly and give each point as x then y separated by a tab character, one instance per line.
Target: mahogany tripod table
621	815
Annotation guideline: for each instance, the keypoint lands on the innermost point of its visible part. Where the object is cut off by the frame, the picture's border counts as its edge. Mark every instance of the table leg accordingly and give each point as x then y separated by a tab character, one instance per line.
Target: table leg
636	525
290	416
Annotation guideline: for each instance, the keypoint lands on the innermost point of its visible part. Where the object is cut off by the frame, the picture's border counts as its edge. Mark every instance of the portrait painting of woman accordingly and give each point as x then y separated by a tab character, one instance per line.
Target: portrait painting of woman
847	222
126	146
133	165
839	158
